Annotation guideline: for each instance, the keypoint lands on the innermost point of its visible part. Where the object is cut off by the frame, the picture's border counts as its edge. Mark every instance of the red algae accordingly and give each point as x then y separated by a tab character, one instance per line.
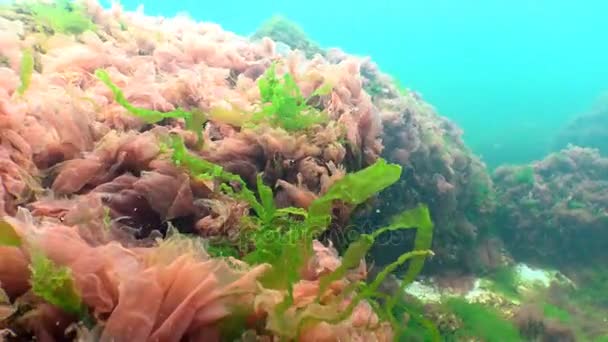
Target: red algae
90	179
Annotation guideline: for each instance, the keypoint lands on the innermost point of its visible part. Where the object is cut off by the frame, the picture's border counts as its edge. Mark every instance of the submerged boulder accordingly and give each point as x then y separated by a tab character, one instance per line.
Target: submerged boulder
439	170
554	211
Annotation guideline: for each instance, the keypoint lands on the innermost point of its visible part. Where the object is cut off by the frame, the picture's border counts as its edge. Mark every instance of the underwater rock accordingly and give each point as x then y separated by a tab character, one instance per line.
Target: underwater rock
438	170
119	132
289	34
554	211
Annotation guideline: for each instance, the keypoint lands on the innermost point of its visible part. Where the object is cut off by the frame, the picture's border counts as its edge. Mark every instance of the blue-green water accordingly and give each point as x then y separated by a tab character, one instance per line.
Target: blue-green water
510	73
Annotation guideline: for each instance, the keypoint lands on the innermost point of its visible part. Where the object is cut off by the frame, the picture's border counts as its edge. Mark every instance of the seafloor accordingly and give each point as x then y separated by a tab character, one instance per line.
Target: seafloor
166	180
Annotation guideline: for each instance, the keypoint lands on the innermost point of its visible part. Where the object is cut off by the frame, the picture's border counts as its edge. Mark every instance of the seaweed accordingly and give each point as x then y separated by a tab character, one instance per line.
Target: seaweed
483	322
418	217
222	251
284	237
505	280
354	189
198	167
61	16
283	103
194	119
54	284
524	175
400	87
373	87
552	311
26	71
283	30
8	235
416	326
282	106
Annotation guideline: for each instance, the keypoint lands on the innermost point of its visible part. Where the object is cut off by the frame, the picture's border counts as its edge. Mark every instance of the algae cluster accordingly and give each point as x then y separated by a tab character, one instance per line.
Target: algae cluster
224	151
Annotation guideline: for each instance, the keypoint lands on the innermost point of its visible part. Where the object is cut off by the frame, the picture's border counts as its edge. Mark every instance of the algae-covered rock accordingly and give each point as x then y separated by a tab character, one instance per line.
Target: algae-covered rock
438	169
161	149
554	211
280	29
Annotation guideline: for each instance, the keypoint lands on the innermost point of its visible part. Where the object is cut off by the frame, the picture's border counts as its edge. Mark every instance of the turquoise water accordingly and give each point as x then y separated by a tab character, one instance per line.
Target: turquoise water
510	73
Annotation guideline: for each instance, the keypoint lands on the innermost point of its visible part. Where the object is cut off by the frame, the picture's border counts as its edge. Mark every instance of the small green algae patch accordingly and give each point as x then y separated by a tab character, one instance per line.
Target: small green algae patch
552	311
280	29
482	322
524	175
417	327
283	103
505	280
62	16
8	235
194	119
54	284
26	71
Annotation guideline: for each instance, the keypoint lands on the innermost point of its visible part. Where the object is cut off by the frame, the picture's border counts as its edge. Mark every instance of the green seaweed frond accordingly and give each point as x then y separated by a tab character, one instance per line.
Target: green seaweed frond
54	284
283	103
482	322
26	71
415	218
194	119
284	237
8	235
354	189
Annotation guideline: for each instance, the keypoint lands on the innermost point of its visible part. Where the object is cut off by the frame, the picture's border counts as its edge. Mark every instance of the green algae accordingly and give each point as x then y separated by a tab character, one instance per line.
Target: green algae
283	238
62	16
8	235
283	103
552	311
505	280
194	119
54	284
280	29
482	322
524	175
417	327
26	70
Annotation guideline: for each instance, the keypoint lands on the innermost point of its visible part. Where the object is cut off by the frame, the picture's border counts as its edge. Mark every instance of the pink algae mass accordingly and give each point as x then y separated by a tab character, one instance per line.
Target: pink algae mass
94	188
